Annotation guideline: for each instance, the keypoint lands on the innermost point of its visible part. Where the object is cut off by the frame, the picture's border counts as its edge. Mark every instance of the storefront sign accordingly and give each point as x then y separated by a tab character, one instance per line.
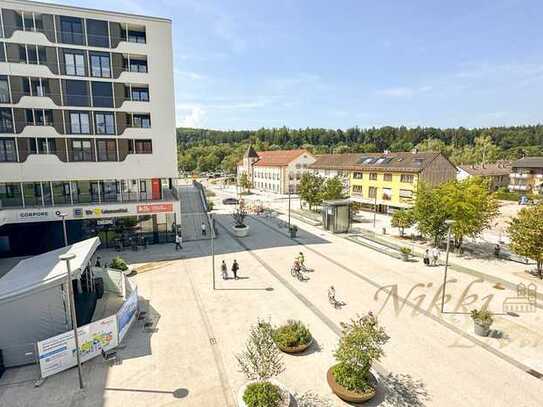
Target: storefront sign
31	215
105	211
155	208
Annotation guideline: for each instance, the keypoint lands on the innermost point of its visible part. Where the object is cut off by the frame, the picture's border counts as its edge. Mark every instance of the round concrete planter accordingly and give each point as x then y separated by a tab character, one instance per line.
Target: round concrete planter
405	257
295	349
346	394
241	232
481	330
285	402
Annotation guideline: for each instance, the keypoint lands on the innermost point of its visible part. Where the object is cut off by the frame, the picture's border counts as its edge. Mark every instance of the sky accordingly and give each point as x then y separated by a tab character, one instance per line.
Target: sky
338	64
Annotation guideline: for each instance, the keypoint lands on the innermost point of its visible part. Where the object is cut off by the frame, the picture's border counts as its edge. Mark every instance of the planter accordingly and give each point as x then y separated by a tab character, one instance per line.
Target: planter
481	330
241	232
405	257
295	349
286	394
346	394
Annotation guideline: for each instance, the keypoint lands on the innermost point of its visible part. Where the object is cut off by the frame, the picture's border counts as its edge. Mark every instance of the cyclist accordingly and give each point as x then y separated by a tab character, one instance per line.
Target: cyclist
301	259
297	266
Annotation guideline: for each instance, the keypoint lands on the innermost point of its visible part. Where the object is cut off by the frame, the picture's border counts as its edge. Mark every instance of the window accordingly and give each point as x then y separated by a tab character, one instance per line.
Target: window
407	178
138	65
32	53
39	86
136	36
387	194
71	30
74	63
42	145
2	53
387	177
6	122
144	147
100	65
373	176
28	21
357	189
141	121
102	94
4	89
358	175
106	150
7	150
140	94
81	150
29	116
42	55
406	193
79	122
77	93
104	122
97	33
372	192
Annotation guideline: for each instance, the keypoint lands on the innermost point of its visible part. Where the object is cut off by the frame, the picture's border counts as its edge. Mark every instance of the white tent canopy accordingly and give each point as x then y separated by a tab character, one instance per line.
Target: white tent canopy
46	269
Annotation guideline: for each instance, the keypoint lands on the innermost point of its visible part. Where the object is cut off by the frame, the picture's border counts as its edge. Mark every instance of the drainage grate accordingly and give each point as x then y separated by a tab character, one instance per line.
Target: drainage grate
534	373
213	341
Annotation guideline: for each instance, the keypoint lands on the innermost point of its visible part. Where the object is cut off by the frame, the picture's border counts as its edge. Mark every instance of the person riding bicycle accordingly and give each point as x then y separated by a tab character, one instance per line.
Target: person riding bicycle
301	259
297	266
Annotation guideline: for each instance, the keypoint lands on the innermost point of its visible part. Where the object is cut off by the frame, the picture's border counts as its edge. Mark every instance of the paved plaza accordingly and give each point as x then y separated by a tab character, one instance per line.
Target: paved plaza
185	354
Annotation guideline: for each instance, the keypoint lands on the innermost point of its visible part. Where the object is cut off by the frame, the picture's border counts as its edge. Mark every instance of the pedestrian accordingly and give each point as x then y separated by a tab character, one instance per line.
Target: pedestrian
497	249
178	242
426	257
435	256
235	268
224	270
204	232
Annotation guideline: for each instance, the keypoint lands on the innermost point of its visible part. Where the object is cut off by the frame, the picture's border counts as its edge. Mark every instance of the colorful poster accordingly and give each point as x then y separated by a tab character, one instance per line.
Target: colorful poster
154	208
57	354
97	336
127	313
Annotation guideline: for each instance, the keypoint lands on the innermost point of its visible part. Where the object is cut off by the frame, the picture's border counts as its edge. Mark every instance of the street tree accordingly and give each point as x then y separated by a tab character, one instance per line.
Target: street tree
403	219
245	182
332	189
430	214
526	234
310	189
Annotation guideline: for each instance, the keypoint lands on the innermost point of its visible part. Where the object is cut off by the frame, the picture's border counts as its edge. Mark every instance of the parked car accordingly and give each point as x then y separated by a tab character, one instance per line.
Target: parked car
230	201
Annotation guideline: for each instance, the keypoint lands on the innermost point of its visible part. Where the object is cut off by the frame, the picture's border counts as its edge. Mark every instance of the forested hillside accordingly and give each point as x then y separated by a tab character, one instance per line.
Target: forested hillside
209	150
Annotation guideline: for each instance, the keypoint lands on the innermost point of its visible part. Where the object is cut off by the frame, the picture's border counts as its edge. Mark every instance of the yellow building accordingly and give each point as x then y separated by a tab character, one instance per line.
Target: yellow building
390	180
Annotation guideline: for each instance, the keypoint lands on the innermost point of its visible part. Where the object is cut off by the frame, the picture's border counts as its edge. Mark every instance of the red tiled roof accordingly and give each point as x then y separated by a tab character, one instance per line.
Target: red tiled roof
278	158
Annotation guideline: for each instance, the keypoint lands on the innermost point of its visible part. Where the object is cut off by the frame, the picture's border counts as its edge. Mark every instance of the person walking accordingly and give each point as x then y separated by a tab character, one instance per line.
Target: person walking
426	257
497	249
178	242
435	256
204	227
224	270
235	268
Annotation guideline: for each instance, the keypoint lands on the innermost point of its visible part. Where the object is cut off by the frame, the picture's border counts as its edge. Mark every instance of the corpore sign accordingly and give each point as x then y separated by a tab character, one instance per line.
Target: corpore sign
33	215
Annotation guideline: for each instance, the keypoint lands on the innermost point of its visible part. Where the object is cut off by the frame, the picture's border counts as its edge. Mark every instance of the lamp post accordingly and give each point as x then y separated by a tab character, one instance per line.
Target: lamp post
449	223
63	216
289	194
375	209
67	257
212	248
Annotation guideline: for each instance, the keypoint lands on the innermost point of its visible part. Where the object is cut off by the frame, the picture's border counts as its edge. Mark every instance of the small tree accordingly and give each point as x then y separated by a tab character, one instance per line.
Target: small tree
361	344
430	213
310	189
526	233
332	189
245	182
403	219
239	216
261	358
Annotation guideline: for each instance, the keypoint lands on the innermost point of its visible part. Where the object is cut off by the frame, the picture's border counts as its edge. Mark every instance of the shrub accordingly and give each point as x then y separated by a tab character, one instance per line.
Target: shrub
119	263
482	317
360	345
405	250
262	394
291	334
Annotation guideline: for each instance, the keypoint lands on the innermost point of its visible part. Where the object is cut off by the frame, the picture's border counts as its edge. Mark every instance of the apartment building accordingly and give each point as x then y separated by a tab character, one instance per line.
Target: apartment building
275	171
497	173
87	124
390	180
335	165
527	175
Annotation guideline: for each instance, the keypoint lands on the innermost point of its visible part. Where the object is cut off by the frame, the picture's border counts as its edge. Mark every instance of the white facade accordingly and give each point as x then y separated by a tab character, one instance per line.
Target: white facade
295	170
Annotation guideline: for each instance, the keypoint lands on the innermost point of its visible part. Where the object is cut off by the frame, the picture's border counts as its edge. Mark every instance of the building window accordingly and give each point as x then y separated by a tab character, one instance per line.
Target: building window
358	189
4	89
136	36
387	194
7	150
74	63
77	93
407	178
358	175
71	30
97	33
406	193
141	121
140	94
373	176
79	122
102	94
100	65
104	123
2	53
32	53
137	65
81	150
106	150
144	147
6	122
387	177
372	192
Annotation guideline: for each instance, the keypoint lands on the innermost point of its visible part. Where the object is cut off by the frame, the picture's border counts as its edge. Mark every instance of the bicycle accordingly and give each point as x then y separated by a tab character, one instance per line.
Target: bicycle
297	274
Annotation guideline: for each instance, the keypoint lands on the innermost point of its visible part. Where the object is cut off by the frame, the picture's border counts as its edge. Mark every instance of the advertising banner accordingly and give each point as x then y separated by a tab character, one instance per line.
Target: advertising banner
127	313
155	208
97	336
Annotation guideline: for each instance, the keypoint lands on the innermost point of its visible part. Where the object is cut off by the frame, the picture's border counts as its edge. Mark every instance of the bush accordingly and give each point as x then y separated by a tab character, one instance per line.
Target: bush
119	263
291	334
405	250
262	394
360	345
482	317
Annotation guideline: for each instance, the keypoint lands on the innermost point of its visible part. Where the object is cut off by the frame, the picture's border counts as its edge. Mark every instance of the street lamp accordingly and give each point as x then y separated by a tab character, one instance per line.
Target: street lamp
289	194
67	257
63	216
449	223
212	248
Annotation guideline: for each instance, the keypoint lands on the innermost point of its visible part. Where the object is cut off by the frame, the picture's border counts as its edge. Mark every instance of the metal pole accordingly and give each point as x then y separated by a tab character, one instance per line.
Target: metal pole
212	250
63	216
446	267
67	257
289	192
375	209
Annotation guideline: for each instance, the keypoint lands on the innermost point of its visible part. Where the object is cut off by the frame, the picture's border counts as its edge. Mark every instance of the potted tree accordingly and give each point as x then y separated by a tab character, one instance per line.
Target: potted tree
482	320
406	252
260	361
360	345
240	228
292	337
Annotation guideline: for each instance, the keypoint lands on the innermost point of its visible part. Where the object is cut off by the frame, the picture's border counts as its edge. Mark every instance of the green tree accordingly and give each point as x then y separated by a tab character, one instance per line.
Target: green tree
310	189
430	213
245	182
526	233
403	219
332	189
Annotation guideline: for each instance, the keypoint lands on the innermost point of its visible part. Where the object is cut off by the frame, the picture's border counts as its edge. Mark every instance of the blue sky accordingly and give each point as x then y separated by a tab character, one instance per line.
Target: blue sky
250	64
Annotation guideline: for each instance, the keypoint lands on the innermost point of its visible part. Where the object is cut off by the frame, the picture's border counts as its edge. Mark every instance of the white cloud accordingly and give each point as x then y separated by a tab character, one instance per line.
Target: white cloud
191	116
403	91
189	75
